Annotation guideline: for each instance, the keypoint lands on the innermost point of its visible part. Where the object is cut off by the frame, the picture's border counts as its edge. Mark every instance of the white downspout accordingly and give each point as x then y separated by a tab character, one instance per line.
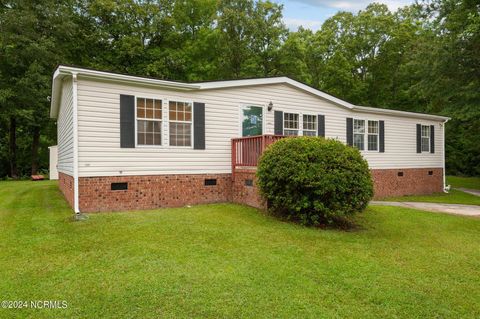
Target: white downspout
445	188
76	206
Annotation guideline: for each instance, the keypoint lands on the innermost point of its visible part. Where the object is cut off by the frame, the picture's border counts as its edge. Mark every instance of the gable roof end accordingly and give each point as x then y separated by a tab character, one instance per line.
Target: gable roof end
63	71
275	80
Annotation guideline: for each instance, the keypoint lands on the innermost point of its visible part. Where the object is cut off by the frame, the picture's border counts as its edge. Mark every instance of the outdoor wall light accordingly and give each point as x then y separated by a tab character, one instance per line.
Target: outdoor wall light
270	106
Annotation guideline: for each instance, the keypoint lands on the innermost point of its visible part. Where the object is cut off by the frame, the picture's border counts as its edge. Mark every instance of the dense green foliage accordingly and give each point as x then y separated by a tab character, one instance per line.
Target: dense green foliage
420	58
229	261
314	180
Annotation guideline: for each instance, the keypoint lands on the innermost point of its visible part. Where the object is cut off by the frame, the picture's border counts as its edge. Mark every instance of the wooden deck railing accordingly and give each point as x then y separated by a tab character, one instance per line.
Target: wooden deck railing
247	150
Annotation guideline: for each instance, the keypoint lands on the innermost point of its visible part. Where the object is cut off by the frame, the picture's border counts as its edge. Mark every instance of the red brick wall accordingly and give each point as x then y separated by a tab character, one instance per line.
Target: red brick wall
65	183
244	194
148	192
415	181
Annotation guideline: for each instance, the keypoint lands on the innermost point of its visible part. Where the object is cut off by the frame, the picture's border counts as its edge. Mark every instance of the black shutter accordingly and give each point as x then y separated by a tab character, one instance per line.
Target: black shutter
349	131
199	126
419	138
278	123
321	125
127	121
432	138
381	136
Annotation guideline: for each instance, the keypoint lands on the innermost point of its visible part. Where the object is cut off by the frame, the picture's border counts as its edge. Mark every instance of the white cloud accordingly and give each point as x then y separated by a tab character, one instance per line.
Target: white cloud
355	5
293	24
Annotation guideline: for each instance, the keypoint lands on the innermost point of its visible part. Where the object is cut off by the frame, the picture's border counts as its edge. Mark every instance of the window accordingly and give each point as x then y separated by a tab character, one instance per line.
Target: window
425	138
309	125
149	121
290	124
180	119
372	135
252	120
359	134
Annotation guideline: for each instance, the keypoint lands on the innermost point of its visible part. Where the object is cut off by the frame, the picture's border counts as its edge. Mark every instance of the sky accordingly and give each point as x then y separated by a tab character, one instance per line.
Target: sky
312	13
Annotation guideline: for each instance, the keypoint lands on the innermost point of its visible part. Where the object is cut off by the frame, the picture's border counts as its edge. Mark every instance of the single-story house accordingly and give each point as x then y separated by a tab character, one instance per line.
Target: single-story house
128	142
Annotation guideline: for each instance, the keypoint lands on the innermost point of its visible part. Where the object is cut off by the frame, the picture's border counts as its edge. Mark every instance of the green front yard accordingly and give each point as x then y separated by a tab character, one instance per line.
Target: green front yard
232	261
452	197
465	182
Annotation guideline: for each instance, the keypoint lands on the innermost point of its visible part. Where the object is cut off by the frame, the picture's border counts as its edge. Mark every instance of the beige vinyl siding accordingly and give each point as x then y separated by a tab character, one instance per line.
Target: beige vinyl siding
99	129
65	129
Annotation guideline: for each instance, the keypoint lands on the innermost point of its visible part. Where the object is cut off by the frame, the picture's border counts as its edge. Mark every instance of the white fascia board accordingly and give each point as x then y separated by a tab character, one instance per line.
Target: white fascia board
276	80
56	93
127	78
374	110
63	71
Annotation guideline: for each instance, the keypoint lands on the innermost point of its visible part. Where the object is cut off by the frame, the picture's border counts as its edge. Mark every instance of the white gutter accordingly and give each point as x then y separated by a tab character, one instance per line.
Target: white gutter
76	206
375	110
445	187
128	78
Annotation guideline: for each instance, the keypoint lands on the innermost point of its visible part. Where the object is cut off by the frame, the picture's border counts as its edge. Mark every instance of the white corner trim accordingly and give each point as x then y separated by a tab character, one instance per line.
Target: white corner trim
443	157
76	206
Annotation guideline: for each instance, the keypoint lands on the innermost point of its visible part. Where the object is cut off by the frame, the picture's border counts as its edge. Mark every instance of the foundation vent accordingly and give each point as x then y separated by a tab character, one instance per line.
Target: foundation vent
211	182
119	186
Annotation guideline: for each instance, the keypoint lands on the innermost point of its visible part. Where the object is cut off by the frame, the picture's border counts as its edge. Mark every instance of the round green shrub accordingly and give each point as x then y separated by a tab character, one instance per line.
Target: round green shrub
314	180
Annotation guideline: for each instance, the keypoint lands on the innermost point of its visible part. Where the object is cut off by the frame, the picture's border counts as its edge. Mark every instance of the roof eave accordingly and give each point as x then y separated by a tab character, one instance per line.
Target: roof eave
56	91
276	80
63	71
366	109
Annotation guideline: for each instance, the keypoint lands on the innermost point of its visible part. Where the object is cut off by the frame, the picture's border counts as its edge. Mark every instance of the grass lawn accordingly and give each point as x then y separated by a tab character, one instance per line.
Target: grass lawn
225	261
465	182
453	197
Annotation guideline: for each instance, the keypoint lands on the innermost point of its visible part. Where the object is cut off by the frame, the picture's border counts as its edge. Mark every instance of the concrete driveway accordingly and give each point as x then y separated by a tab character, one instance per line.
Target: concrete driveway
475	192
455	209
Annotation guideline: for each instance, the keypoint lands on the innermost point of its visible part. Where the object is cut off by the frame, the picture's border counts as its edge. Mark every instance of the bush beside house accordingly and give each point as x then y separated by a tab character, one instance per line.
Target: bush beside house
314	180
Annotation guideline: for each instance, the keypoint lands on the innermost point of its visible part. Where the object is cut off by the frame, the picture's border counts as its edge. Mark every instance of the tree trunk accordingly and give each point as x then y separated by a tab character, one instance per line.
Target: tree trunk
13	147
35	144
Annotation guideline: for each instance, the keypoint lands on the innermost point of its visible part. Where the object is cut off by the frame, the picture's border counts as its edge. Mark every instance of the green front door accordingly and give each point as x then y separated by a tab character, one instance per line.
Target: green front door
252	120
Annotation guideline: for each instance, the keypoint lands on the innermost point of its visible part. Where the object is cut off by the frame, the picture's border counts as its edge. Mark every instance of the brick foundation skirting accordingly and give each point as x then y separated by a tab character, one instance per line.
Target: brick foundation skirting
149	192
65	183
245	190
407	181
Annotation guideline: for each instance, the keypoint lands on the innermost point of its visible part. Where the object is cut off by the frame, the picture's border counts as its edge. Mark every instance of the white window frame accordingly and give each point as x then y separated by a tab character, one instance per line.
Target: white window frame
162	121
365	134
365	123
299	129
300	123
190	122
165	127
377	135
316	124
428	128
242	106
